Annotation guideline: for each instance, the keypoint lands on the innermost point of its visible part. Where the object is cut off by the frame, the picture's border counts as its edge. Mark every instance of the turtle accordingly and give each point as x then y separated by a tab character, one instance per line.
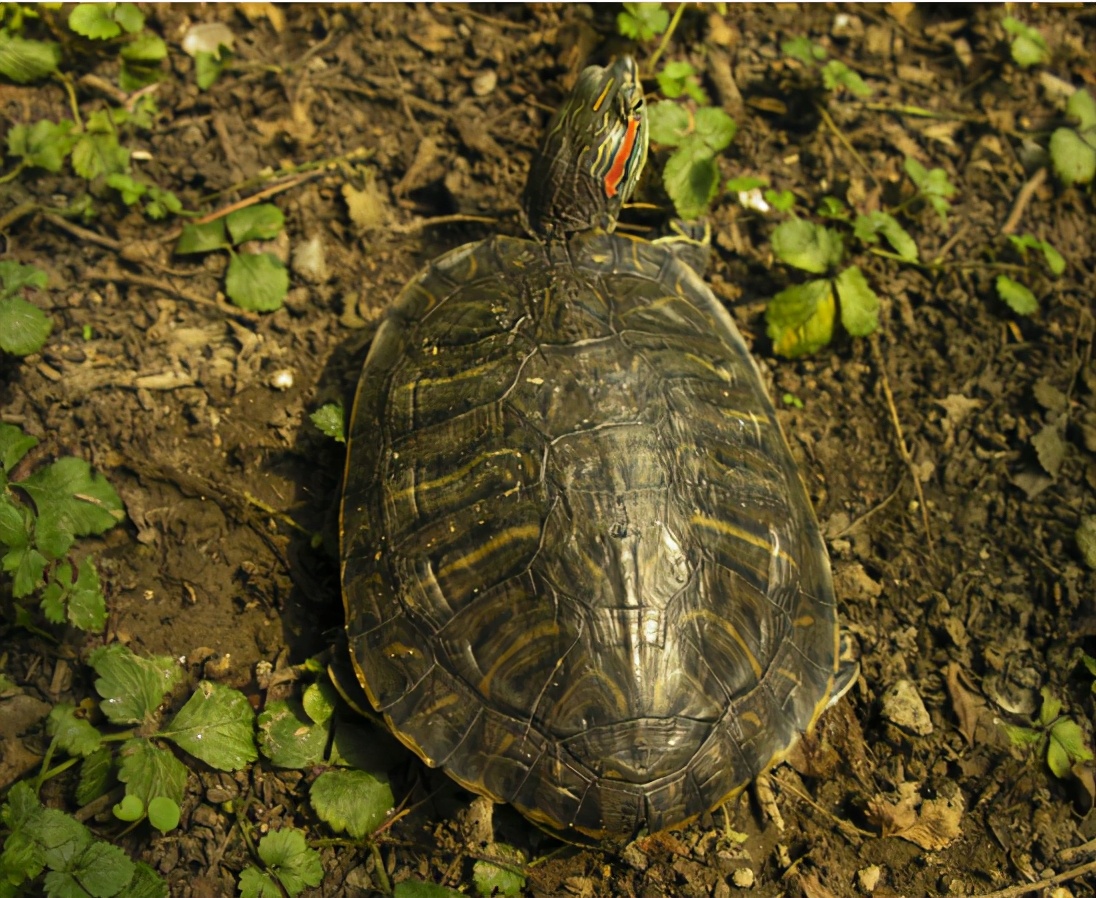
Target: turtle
581	572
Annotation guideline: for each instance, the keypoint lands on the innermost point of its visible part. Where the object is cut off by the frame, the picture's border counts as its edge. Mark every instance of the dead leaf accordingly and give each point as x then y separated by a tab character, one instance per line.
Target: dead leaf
256	11
1049	396
1050	447
368	207
965	702
933	827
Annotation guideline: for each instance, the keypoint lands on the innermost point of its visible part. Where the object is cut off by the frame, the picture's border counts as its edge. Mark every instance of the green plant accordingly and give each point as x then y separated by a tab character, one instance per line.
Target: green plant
41	515
1016	294
24	327
801	318
642	21
59	857
257	282
833	73
288	864
215	725
933	187
1058	738
329	419
691	174
1028	46
1073	149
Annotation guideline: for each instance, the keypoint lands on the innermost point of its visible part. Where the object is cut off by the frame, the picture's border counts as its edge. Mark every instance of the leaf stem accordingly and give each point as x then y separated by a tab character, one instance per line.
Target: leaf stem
665	39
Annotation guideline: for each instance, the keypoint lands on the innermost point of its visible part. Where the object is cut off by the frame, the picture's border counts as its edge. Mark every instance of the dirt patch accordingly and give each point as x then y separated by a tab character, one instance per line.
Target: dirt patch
197	413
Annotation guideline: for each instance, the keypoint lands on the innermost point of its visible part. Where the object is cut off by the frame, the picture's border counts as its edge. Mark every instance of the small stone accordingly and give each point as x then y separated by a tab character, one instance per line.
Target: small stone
485	82
902	705
743	878
721	889
868	878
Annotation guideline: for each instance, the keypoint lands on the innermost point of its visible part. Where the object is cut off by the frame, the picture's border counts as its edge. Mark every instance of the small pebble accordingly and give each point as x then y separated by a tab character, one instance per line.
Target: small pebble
868	878
485	82
282	379
743	878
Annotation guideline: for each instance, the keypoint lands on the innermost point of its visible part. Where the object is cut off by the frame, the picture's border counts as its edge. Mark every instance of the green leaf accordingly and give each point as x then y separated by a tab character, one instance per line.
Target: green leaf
1052	707
202	238
329	420
800	319
831	207
691	178
209	66
351	801
803	49
668	123
132	688
151	772
1018	297
744	184
26	565
71	501
97	153
161	203
130	17
257	283
679	77
1055	262
320	700
100	870
494	880
642	21
256	883
1073	158
216	725
1082	106
23	61
836	74
145	883
94	776
1028	47
807	246
44	144
411	889
715	128
131	189
867	227
24	328
130	809
288	857
289	738
163	813
260	222
14	444
859	304
15	276
933	185
85	607
74	735
94	20
780	200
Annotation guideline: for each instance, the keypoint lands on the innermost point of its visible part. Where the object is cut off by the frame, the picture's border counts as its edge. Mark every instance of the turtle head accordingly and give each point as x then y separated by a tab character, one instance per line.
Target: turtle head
592	156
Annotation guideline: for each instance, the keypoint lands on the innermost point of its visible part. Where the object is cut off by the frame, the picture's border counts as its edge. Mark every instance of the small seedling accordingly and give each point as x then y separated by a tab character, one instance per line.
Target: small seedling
288	864
933	186
24	327
691	174
1028	46
330	420
503	877
801	318
1018	296
1058	738
1073	149
642	21
41	515
257	282
834	73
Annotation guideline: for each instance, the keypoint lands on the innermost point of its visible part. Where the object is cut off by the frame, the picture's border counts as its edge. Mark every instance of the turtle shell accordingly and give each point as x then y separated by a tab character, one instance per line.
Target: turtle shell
580	569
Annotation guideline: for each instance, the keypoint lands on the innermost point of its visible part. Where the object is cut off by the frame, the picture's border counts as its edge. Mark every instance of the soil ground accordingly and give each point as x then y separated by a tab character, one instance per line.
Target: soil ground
950	458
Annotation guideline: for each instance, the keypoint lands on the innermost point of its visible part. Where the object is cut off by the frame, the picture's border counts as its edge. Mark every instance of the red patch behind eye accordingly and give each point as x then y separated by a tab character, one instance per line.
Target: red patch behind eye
620	161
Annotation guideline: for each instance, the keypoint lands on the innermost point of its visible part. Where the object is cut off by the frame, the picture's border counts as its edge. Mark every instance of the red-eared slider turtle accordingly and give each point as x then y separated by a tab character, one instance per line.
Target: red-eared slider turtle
580	569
